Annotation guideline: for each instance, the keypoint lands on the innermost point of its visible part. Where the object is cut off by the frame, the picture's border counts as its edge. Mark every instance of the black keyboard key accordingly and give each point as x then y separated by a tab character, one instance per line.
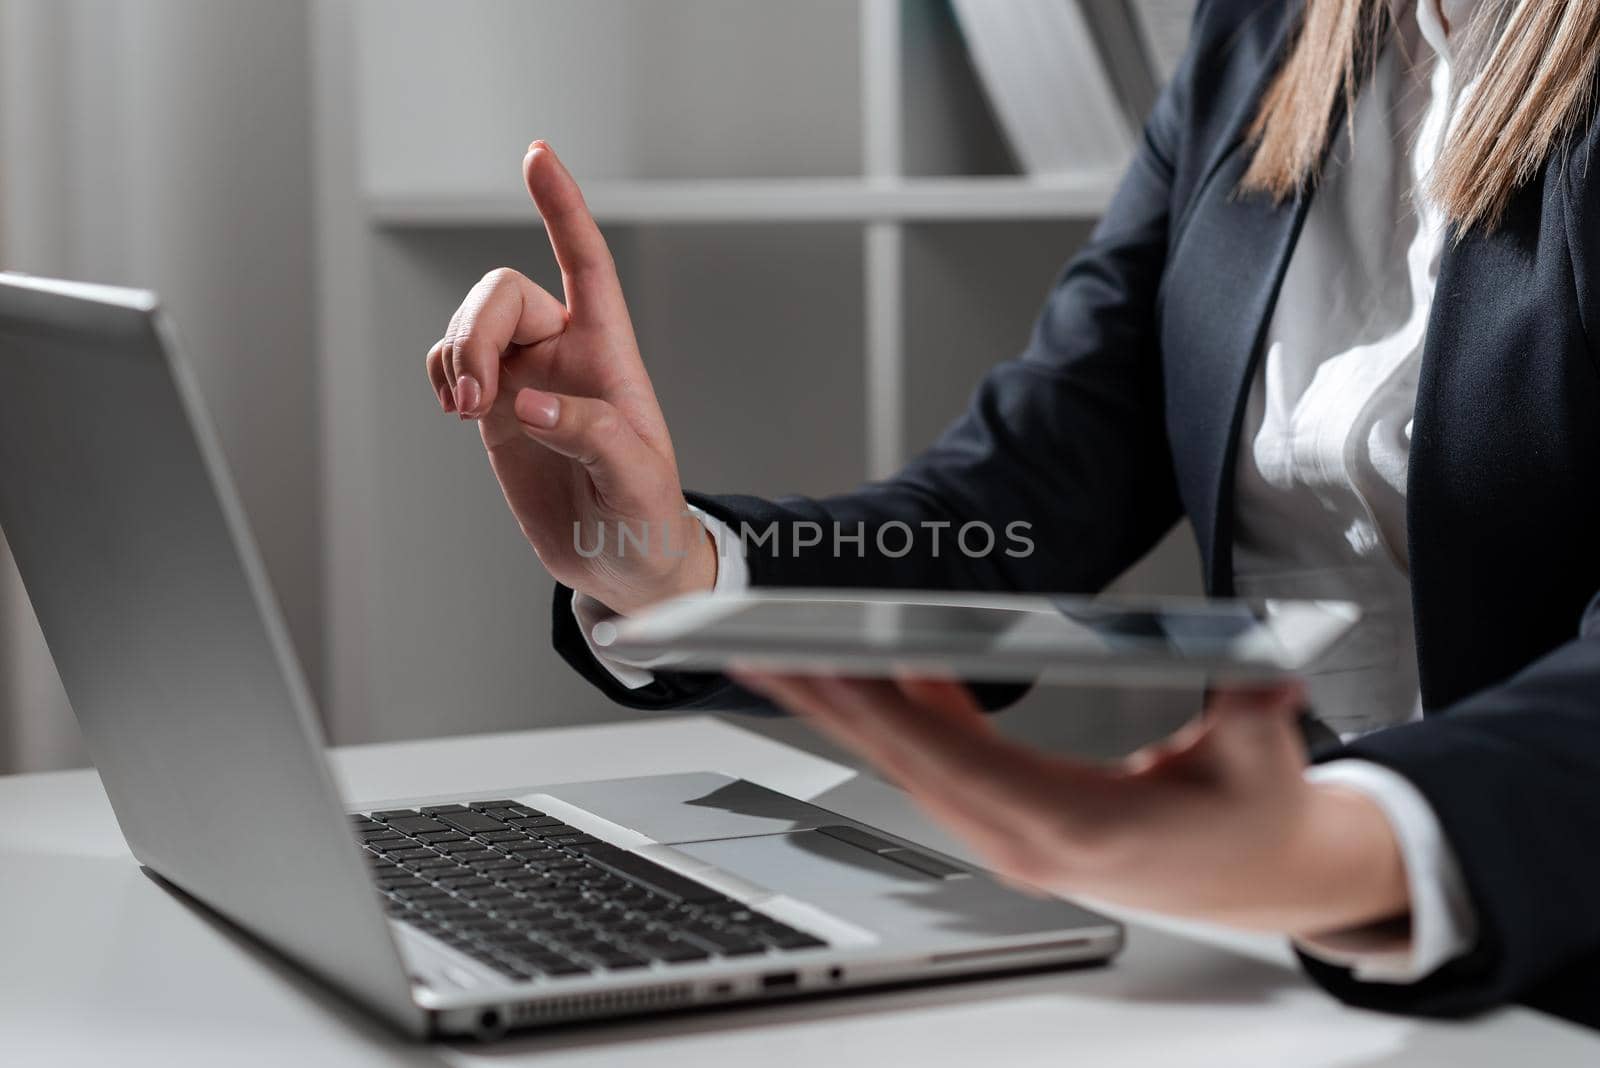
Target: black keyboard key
554	925
564	967
553	835
655	907
392	850
618	960
521	812
406	855
540	857
741	949
397	880
589	911
649	874
463	882
503	836
472	822
728	943
528	883
393	845
503	937
421	893
431	863
449	868
465	845
673	951
480	805
393	814
437	810
598	878
415	824
631	895
485	855
534	821
490	895
509	970
442	836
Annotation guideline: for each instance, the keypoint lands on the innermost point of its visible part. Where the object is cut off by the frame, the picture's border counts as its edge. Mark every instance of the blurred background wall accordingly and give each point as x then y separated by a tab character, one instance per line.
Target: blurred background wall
168	144
824	237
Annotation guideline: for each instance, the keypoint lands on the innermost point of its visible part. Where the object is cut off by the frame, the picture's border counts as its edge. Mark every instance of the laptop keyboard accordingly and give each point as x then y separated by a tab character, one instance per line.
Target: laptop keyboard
530	896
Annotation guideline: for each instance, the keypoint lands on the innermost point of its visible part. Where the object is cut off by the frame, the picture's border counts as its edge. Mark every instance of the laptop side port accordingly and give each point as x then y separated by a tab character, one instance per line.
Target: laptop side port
491	1024
775	981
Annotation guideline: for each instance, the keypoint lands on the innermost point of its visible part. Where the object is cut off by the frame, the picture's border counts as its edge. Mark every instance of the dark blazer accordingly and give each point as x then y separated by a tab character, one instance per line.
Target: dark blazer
1123	415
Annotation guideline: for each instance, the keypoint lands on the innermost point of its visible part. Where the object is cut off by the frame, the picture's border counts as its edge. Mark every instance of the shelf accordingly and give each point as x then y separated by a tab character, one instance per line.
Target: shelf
787	200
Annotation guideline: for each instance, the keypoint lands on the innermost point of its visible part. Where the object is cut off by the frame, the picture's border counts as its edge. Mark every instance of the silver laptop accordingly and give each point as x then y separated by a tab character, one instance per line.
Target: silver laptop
467	914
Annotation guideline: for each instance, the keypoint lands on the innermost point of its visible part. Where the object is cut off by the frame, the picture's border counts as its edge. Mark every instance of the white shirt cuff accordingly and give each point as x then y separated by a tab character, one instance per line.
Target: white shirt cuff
1443	924
733	576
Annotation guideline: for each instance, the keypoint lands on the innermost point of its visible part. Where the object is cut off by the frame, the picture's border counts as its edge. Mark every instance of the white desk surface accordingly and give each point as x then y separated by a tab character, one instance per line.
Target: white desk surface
103	966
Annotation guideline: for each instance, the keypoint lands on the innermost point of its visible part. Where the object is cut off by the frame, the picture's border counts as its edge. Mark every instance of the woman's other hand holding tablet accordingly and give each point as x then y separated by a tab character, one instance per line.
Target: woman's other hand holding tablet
1216	823
568	415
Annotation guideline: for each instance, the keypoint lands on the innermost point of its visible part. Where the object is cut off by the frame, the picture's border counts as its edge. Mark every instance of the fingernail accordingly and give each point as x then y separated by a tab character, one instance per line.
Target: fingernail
540	145
444	398
542	411
468	394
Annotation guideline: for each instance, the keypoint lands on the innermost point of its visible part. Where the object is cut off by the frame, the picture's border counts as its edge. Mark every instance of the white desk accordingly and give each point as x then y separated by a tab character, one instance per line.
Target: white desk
103	966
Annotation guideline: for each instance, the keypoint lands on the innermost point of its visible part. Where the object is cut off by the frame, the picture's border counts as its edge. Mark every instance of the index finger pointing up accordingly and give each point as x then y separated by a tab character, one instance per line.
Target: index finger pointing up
587	270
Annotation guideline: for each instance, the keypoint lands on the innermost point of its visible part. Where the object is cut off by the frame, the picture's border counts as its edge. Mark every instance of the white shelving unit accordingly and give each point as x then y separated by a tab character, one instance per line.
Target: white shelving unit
782	185
772	200
881	200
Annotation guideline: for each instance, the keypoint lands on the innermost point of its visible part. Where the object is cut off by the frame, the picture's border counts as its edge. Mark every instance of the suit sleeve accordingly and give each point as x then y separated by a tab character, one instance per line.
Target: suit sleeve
1513	775
1063	447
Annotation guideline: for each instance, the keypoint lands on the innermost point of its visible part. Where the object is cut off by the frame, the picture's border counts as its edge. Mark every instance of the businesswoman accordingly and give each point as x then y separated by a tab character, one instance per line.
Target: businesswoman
1340	315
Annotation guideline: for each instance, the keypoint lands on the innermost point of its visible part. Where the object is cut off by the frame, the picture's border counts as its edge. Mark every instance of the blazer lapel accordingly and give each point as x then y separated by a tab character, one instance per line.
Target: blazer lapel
1224	278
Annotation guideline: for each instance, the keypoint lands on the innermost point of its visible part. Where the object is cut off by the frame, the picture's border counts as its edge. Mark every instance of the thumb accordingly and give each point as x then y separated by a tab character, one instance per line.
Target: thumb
1251	723
591	432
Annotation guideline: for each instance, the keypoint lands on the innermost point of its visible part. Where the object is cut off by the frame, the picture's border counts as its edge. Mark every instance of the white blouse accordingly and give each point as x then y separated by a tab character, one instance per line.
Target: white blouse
1320	502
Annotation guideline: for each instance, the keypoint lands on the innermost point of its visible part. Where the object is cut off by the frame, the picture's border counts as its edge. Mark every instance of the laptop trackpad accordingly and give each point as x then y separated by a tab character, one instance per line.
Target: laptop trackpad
882	894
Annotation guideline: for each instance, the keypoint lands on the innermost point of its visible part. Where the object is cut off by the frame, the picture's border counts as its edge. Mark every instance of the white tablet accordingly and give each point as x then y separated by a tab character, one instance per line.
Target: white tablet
986	636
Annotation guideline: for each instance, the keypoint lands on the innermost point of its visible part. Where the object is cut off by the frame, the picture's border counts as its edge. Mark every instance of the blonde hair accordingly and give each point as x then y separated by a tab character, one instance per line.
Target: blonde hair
1536	61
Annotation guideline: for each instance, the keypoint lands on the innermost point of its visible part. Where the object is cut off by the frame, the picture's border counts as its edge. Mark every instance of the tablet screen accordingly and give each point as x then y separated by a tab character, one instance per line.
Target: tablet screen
984	636
1228	630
